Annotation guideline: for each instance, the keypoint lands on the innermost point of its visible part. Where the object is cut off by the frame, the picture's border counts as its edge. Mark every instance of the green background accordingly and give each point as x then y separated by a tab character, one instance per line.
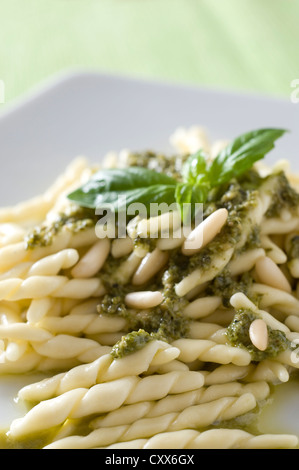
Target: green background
244	45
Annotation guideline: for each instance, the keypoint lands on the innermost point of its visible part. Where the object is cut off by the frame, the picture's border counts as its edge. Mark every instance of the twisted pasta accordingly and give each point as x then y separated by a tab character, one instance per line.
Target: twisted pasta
211	439
101	370
210	351
36	287
102	398
171	403
193	416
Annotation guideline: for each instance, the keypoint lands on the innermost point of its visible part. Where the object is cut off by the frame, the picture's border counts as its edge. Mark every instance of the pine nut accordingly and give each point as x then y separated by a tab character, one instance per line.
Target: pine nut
163	224
293	266
149	266
205	232
258	333
145	299
271	275
202	307
90	264
121	247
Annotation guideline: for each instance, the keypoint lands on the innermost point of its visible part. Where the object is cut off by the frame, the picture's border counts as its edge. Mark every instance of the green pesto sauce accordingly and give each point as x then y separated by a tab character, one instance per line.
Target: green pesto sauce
225	285
165	322
238	335
130	343
170	165
293	248
251	179
238	202
77	220
285	197
147	244
253	240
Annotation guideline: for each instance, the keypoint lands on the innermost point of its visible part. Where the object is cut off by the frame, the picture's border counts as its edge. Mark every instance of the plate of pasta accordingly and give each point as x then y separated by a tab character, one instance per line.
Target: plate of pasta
149	295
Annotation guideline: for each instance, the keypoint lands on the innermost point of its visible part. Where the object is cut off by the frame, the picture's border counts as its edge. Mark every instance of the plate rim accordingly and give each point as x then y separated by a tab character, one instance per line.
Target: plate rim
58	79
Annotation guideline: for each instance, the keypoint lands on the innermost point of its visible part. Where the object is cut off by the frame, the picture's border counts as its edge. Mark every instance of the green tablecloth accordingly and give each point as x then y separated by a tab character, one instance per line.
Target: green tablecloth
250	45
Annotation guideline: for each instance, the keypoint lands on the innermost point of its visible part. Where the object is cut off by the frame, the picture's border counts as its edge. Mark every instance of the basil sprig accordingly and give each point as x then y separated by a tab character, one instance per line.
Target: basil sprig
147	186
240	155
137	184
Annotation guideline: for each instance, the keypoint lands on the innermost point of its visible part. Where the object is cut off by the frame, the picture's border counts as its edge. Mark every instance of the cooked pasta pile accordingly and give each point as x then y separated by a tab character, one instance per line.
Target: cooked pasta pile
151	343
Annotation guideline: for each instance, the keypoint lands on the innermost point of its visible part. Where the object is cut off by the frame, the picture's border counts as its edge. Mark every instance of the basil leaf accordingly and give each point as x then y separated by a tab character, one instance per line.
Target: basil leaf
195	165
187	195
200	192
240	155
183	195
119	201
130	178
133	182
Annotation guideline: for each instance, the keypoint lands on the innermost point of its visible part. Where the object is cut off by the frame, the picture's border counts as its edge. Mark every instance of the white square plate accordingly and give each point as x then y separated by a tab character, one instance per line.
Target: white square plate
88	113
